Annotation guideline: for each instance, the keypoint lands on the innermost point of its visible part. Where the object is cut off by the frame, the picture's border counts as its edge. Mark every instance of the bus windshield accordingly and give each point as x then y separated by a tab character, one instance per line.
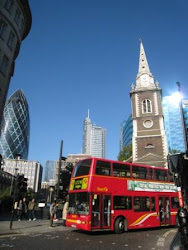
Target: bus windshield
79	203
82	168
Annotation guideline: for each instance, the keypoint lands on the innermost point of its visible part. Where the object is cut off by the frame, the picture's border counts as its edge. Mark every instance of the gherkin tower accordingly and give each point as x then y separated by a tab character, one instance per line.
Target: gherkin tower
15	130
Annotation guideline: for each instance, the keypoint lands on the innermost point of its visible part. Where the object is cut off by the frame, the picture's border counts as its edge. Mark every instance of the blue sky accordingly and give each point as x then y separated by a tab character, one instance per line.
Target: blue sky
83	54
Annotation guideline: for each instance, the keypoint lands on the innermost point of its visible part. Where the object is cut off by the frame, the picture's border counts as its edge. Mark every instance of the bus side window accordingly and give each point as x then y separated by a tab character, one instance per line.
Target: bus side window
152	204
103	168
160	175
139	172
122	202
141	204
174	202
121	170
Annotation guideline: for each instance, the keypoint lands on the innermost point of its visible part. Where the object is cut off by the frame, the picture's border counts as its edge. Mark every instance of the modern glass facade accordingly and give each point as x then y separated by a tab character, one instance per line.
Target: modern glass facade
173	123
15	130
126	132
49	170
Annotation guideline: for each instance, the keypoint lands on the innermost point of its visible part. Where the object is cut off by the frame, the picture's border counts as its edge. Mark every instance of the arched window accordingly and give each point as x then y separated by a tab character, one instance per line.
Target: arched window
146	106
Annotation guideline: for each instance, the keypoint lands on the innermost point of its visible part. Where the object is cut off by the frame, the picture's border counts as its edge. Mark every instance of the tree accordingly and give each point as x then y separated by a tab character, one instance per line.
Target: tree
125	153
5	194
174	151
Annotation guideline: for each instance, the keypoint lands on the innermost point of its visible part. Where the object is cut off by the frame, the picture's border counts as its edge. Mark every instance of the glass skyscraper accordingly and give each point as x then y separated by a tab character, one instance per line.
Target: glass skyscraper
49	170
15	130
173	123
126	132
94	139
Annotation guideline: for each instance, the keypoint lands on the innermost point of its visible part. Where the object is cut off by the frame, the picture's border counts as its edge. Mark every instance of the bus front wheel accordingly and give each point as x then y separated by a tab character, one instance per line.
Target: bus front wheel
119	226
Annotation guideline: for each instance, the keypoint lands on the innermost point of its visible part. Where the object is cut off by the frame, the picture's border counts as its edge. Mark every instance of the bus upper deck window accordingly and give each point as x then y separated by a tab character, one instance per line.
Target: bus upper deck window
160	174
121	170
82	168
139	172
103	168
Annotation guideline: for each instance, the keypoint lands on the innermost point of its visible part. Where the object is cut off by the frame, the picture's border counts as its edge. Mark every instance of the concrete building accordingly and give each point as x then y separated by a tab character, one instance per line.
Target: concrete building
149	138
32	170
94	139
15	24
15	129
73	158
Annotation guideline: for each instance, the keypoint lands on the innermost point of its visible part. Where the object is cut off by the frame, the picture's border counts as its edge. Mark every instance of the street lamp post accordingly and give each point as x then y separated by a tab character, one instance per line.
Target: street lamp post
59	168
13	184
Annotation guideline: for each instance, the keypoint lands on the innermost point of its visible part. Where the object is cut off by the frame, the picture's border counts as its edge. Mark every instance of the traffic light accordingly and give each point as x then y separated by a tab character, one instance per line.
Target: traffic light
21	184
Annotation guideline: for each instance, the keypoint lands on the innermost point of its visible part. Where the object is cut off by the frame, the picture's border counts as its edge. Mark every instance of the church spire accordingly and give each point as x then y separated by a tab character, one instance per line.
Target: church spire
143	63
144	78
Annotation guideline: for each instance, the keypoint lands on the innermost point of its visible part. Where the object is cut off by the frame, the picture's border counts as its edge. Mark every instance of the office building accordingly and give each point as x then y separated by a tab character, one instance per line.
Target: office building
49	170
126	131
32	170
15	130
94	139
15	24
173	122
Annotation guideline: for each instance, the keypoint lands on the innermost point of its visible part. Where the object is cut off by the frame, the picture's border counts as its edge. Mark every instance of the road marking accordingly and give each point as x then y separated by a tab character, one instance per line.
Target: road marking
168	232
160	242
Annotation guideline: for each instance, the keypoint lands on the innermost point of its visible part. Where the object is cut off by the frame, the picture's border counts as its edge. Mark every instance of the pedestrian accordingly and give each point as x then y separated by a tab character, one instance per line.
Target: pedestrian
53	210
31	209
20	210
24	213
65	209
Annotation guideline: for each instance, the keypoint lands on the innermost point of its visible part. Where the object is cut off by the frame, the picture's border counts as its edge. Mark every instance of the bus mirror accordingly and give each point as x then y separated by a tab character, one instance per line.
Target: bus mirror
175	163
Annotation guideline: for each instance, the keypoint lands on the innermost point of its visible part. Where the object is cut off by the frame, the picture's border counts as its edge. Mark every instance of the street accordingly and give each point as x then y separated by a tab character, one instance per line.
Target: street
152	239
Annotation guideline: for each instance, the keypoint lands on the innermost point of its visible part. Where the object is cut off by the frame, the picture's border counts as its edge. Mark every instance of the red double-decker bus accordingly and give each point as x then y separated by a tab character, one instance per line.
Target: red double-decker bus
112	195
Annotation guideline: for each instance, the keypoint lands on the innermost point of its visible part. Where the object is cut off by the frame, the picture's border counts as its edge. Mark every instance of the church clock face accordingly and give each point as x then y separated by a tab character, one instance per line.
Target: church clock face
144	77
148	123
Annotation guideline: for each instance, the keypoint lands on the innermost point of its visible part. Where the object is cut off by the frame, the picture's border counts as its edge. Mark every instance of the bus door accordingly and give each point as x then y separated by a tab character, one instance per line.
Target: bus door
164	210
101	211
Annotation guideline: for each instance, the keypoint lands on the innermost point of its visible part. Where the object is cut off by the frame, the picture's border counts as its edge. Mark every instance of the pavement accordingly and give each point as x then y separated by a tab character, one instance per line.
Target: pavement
27	227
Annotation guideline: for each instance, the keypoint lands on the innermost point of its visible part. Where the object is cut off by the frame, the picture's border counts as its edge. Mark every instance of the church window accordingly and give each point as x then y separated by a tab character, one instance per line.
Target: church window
146	106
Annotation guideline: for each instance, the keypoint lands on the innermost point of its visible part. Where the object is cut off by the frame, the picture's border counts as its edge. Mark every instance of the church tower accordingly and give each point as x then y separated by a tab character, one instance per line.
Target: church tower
149	140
